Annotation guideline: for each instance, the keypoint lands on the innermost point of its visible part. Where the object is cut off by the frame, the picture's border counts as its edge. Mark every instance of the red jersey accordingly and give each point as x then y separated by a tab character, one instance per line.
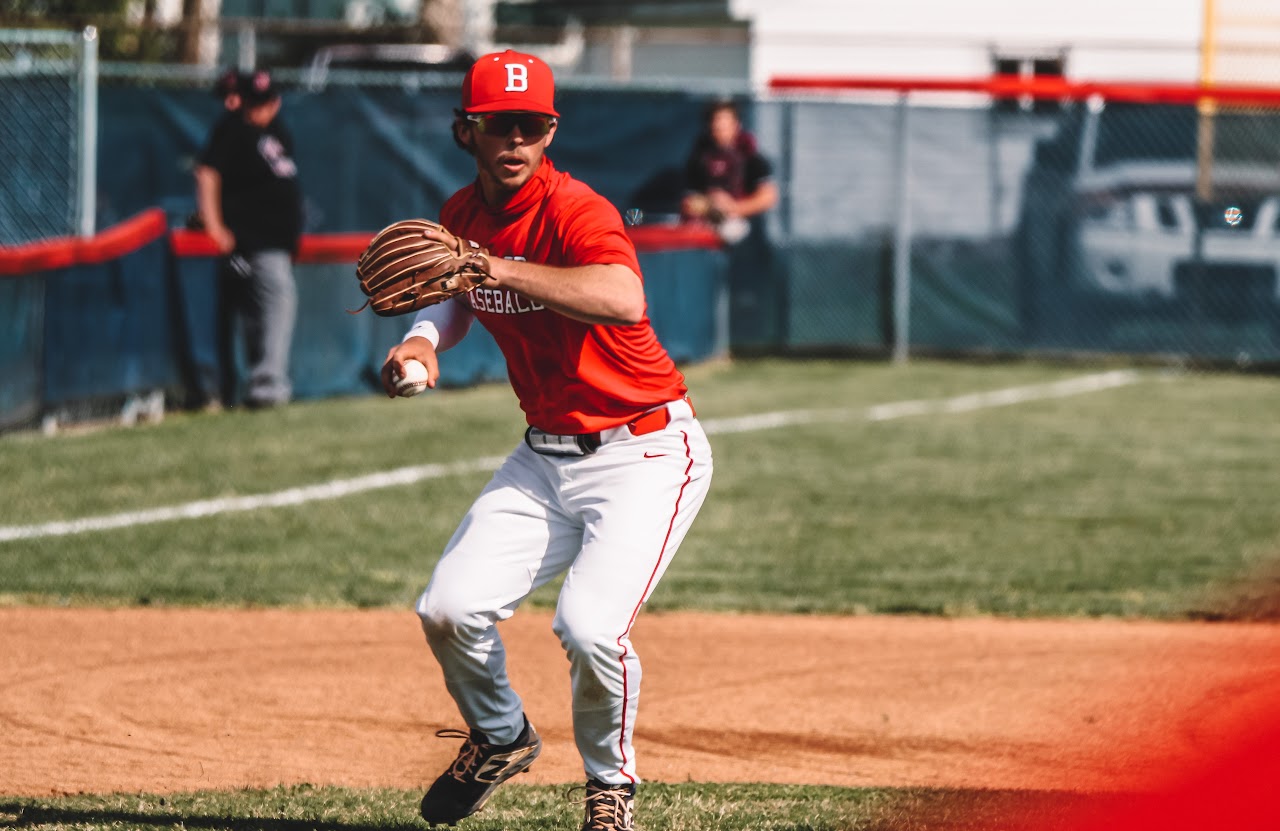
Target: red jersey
570	377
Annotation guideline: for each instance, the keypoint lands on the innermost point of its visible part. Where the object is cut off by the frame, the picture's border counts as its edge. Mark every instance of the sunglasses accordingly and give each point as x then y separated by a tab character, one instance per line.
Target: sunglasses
531	125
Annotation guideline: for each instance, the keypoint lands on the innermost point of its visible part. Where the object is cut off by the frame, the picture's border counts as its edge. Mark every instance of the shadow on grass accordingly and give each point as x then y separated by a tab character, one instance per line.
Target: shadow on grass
17	815
722	807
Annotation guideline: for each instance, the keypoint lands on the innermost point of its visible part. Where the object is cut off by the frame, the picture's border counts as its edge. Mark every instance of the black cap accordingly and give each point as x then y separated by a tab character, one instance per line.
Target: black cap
227	83
258	88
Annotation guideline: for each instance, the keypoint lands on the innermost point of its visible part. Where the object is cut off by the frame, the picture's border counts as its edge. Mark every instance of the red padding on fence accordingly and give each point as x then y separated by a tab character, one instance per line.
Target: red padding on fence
333	248
134	233
345	248
673	237
312	248
1043	88
184	243
66	252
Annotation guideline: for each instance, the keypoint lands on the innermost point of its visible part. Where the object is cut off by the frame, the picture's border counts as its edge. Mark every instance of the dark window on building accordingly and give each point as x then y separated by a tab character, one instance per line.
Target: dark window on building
1029	66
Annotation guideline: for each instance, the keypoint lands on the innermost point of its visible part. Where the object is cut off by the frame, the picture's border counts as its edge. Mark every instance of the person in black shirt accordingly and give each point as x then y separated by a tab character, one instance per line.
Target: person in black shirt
727	180
250	204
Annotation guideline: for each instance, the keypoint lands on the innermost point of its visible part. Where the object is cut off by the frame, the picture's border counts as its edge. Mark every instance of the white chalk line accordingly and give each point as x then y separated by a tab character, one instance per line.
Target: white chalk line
902	409
339	488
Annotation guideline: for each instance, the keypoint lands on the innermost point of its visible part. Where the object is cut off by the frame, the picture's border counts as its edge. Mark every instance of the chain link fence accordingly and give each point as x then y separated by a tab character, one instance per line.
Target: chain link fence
910	224
47	129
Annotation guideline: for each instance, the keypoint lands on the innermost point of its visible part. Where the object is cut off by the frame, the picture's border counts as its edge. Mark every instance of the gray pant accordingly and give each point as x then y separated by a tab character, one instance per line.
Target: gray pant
266	301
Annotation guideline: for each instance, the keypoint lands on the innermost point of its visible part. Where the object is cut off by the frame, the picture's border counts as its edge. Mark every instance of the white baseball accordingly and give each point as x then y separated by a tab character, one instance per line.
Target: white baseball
414	379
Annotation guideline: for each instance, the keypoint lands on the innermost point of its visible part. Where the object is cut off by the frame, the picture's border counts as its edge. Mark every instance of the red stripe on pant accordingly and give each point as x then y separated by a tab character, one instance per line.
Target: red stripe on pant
688	453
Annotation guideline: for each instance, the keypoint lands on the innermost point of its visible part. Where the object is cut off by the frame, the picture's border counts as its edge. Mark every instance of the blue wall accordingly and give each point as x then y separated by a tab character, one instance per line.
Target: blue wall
145	322
368	157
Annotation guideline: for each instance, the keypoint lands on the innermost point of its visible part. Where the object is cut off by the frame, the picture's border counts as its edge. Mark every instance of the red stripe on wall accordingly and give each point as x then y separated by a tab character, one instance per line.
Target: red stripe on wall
1043	88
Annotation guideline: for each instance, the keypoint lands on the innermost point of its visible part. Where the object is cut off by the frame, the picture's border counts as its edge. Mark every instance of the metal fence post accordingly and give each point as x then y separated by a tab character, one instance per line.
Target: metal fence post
87	135
787	157
246	48
902	236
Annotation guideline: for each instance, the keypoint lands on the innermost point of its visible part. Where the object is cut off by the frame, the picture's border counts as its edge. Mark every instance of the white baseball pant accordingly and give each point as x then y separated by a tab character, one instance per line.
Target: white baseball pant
610	522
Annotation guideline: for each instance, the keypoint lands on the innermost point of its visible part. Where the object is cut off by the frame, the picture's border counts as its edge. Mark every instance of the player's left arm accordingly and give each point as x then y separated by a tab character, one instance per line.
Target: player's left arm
209	205
603	287
758	201
765	194
600	293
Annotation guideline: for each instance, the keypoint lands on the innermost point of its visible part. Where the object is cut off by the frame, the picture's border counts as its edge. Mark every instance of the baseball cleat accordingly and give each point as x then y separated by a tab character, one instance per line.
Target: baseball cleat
609	807
479	768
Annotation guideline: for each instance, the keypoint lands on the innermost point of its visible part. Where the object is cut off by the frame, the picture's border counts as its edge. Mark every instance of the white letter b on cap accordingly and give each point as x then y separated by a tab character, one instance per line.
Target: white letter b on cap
517	77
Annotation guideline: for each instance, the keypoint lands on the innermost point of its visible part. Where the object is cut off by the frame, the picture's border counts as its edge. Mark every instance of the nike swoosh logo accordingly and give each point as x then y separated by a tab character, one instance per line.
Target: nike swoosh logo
653	455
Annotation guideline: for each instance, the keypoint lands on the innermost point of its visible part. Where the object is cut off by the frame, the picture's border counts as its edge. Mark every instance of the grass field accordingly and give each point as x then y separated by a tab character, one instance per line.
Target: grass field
1152	498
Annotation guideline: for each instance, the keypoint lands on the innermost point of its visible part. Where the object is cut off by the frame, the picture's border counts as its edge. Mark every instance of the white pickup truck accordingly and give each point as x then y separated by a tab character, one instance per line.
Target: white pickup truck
1144	241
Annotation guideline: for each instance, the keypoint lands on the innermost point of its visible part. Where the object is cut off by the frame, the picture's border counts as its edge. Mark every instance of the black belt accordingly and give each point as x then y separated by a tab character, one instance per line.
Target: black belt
584	444
553	444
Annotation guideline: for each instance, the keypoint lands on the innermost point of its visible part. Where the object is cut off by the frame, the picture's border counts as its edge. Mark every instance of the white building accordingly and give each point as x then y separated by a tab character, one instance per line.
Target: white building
1096	40
1140	41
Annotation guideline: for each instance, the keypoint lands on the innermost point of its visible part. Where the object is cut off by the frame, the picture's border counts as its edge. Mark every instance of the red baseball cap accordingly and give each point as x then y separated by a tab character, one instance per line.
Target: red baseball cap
509	81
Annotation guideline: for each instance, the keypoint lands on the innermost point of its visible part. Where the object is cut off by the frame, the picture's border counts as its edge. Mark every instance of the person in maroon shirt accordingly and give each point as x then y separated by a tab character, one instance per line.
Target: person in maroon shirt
613	468
727	179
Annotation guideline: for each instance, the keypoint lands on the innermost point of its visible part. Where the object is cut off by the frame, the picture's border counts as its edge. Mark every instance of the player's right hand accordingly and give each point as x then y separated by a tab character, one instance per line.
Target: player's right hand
222	237
723	203
416	348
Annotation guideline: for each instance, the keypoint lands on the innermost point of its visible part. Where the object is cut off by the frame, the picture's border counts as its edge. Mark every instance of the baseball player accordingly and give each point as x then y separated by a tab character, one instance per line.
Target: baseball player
611	472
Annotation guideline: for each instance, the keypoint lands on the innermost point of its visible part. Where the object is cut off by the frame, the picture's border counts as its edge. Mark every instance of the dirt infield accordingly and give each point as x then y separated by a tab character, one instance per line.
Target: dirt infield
162	700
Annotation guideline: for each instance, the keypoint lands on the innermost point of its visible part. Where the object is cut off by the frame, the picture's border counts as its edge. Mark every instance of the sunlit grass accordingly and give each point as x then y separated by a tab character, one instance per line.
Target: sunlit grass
1147	500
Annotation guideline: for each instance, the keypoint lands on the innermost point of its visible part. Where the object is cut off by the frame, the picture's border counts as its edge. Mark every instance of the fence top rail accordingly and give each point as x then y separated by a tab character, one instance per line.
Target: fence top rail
304	78
59	37
1040	88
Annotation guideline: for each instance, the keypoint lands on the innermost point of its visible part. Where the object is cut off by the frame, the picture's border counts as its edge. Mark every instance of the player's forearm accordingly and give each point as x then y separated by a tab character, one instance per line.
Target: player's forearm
444	324
764	198
609	294
209	203
209	197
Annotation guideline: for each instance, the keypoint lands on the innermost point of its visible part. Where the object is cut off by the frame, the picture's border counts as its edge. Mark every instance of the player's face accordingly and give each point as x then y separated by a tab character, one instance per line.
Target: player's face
509	149
724	128
260	115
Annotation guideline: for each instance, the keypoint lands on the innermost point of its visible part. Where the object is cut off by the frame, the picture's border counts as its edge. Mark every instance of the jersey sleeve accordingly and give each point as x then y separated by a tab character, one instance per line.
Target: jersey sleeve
695	174
593	234
217	148
758	170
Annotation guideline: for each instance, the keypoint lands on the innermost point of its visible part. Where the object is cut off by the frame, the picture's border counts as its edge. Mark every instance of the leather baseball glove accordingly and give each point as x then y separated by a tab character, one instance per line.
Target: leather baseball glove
401	270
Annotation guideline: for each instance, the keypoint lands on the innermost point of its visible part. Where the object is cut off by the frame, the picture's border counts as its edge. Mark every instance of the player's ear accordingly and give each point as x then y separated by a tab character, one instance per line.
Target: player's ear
551	134
463	135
